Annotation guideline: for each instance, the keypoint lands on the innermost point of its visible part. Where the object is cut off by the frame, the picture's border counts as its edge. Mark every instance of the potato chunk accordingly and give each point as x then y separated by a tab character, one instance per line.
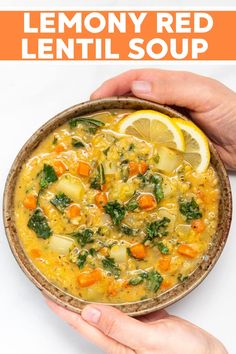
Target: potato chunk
71	186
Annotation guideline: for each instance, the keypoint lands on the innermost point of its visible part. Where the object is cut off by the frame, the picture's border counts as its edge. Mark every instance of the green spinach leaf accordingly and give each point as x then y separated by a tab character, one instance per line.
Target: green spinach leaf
47	176
39	224
116	211
190	209
110	265
61	201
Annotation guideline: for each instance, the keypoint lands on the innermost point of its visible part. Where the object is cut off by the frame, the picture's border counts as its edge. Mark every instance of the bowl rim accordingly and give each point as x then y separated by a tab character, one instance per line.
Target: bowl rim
55	293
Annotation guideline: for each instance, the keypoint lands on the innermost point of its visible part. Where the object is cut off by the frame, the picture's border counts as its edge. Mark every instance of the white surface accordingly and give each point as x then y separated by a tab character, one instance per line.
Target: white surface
77	3
31	93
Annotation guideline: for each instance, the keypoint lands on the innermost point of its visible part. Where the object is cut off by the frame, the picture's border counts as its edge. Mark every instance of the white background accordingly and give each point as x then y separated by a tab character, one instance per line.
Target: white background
31	93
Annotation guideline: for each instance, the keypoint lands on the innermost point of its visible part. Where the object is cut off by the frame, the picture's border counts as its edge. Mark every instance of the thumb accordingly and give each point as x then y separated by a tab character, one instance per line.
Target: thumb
117	325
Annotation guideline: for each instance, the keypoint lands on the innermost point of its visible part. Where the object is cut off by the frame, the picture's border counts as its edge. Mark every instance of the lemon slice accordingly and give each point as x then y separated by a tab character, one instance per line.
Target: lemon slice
153	127
197	151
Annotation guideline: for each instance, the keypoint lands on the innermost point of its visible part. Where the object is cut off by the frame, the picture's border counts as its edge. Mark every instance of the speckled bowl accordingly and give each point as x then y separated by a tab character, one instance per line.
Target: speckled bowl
135	308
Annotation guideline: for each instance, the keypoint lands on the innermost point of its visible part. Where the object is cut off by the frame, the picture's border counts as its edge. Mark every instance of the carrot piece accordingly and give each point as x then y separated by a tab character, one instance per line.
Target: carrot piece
138	251
83	169
166	284
104	187
89	278
164	263
137	167
142	167
147	202
186	251
133	168
30	201
59	167
35	253
104	251
73	211
101	199
198	225
59	148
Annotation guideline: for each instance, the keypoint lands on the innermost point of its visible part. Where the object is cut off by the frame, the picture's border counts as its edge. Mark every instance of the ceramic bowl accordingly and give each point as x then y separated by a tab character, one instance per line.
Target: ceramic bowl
135	308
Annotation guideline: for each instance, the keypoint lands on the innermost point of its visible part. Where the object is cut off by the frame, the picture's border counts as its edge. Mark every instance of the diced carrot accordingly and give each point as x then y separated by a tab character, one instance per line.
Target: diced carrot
30	201
147	202
83	169
198	225
59	167
166	284
59	148
104	251
35	253
133	168
187	251
143	167
138	251
101	199
89	278
104	187
137	167
164	263
73	211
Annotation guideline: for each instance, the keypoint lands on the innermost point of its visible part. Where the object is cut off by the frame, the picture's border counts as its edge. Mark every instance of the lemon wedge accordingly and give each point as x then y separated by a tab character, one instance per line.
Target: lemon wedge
197	151
153	127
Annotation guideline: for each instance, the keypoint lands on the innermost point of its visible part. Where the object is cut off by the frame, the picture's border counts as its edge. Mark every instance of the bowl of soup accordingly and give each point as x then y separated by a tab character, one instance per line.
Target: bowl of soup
113	201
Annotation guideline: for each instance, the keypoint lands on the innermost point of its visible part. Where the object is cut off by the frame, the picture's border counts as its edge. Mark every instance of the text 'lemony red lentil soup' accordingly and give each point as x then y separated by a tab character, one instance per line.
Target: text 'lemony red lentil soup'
118	206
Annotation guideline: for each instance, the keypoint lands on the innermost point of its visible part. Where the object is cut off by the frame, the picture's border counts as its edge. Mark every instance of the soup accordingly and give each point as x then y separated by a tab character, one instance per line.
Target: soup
110	212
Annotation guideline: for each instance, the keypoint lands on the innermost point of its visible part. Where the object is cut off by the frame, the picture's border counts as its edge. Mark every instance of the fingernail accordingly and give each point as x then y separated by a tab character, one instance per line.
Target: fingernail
90	314
142	86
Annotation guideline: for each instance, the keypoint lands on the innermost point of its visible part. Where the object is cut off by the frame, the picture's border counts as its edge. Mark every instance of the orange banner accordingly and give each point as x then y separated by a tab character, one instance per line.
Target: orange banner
117	35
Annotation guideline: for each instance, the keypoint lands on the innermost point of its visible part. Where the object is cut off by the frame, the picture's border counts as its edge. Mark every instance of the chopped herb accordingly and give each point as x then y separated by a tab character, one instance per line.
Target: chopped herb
84	237
154	280
106	150
98	181
131	147
132	204
136	281
162	248
190	209
127	230
82	257
182	277
55	140
156	229
157	180
92	252
139	278
116	211
47	176
77	143
110	265
61	201
156	158
87	121
39	224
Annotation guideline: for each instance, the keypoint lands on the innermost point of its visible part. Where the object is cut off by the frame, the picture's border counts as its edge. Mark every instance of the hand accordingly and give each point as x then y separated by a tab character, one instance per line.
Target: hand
211	104
117	333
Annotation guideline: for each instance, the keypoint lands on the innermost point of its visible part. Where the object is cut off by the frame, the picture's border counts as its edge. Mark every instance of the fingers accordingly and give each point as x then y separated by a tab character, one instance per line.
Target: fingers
122	328
89	332
195	92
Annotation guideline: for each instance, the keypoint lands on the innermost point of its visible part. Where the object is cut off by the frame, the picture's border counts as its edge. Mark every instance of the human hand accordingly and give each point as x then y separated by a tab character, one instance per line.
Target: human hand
211	104
116	333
